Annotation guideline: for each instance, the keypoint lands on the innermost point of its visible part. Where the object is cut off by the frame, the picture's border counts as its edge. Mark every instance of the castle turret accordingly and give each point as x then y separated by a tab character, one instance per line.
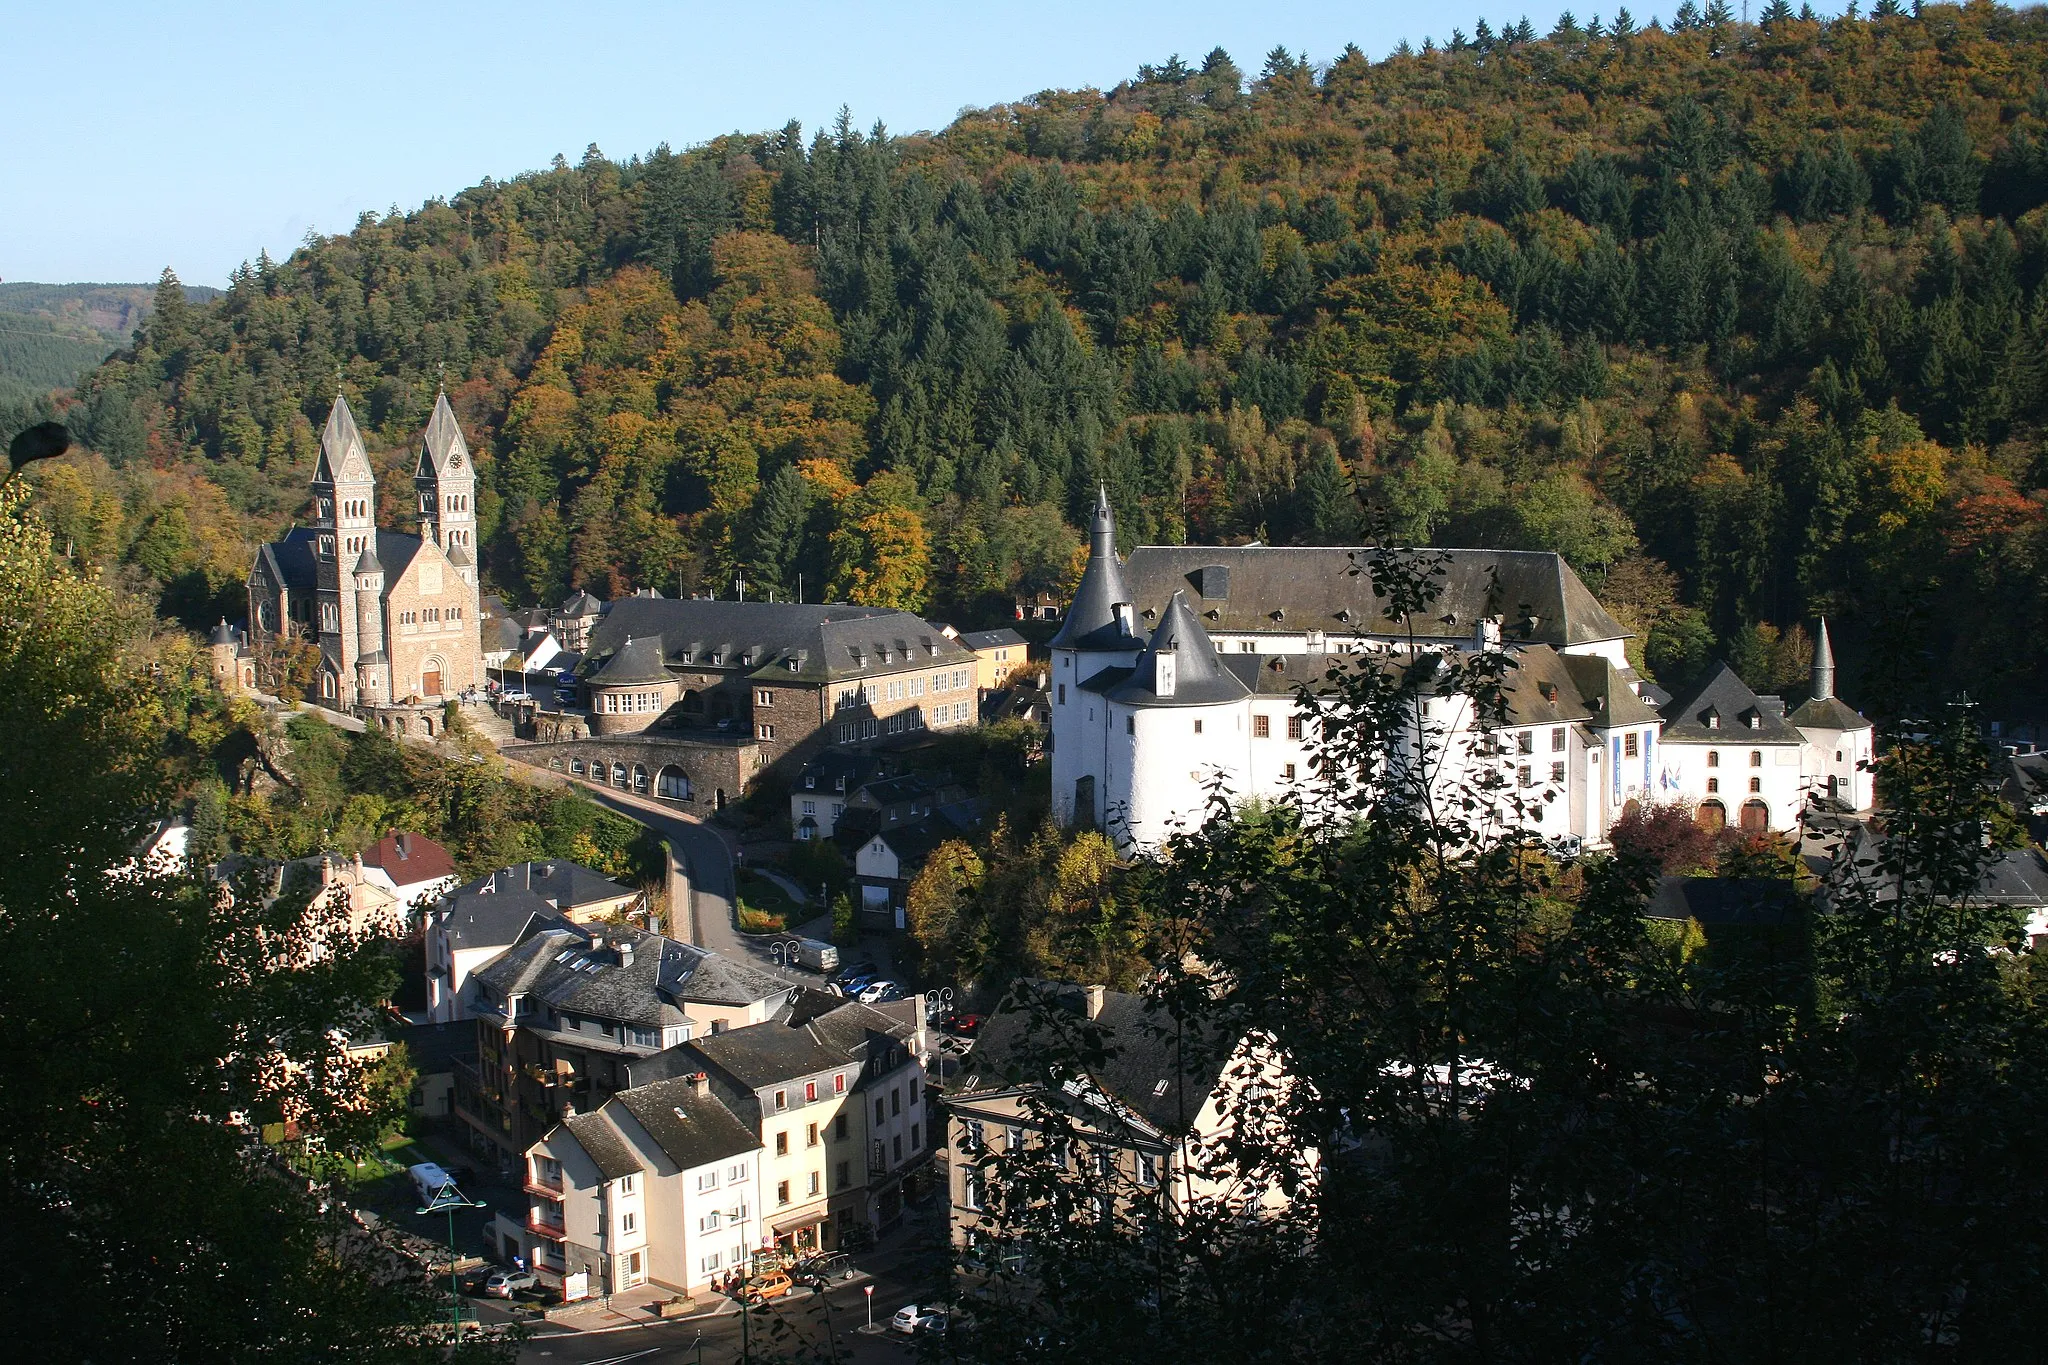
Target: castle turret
372	664
1823	665
345	504
1095	636
225	649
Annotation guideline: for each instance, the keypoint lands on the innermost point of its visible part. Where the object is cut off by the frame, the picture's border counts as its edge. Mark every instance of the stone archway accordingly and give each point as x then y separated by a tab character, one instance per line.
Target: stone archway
619	778
1756	817
431	673
1711	816
640	778
672	784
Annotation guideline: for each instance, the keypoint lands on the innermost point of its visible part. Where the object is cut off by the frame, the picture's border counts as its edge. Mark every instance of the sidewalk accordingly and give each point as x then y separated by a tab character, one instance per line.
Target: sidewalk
633	1308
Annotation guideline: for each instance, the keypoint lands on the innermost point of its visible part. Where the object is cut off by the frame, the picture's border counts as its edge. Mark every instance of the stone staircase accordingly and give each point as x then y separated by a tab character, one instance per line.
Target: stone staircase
489	724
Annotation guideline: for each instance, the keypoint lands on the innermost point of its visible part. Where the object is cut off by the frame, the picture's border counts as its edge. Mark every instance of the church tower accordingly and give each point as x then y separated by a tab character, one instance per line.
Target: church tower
446	481
373	665
345	509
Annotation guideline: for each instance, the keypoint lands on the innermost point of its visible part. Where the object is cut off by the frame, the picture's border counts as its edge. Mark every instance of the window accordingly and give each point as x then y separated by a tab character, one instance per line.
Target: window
839	1080
709	1264
781	1100
1294	727
625	1184
970	1189
1756	784
764	732
811	1136
1148	1169
707	1180
1013	1138
1713	758
1557	772
1198	726
839	1129
913	1093
1756	758
1713	785
913	1137
1525	742
1131	724
895	1101
899	1147
816	1177
1287	771
1557	740
764	696
628	1221
738	1171
1629	742
879	1115
782	1144
1063	694
1523	777
845	1174
810	1093
782	1192
1262	727
810	808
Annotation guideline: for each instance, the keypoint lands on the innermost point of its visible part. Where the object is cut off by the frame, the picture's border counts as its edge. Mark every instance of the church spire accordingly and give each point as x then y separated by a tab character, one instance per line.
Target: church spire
337	440
1823	665
1096	617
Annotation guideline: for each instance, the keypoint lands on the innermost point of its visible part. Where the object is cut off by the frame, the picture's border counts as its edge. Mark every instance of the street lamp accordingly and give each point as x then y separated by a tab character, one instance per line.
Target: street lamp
446	1200
871	1305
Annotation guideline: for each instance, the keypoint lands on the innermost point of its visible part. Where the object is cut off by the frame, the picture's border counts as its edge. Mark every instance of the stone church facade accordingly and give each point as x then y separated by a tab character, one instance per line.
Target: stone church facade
396	614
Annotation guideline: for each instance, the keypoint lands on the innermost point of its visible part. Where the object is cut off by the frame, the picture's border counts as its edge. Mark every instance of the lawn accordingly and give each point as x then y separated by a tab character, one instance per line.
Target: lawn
765	908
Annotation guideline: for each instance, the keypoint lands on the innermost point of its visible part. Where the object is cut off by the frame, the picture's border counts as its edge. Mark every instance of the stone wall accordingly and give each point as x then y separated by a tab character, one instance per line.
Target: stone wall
690	775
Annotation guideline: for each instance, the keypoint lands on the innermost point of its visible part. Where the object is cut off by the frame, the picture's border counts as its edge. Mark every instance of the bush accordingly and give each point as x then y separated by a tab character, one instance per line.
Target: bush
754	921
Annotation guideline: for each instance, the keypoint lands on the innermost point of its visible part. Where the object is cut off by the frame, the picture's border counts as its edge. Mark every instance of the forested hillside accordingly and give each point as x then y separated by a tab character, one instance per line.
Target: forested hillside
1747	321
51	334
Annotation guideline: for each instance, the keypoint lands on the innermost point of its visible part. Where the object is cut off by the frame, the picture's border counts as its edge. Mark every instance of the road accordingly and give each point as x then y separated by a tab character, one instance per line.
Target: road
779	1331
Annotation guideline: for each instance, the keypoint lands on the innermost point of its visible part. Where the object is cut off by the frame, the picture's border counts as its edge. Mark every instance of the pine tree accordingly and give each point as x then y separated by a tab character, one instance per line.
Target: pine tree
1328	510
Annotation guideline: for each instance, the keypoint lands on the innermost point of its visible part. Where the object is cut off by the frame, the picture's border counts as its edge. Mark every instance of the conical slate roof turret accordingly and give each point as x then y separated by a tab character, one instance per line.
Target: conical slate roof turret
1093	621
638	661
443	437
1180	666
1823	665
367	562
223	634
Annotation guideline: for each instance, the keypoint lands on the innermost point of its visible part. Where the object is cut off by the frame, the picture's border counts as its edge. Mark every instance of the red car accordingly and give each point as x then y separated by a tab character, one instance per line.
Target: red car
965	1025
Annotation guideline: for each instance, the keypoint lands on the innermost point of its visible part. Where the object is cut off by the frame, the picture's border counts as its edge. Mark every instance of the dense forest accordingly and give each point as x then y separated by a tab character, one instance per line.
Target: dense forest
1747	321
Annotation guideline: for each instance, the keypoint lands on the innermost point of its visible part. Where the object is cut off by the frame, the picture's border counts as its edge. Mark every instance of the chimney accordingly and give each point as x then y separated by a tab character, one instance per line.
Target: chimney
1093	995
1486	634
625	952
700	1082
403	843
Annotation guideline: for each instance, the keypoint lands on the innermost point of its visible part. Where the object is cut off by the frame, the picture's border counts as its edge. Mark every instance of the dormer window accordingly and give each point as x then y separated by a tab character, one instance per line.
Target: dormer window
1713	719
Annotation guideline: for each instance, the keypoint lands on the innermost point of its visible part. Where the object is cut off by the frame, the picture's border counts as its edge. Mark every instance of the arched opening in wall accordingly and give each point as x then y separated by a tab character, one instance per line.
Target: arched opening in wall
619	778
640	779
693	703
327	686
1631	809
1834	789
428	723
719	799
576	766
672	783
398	724
430	678
1711	816
1756	817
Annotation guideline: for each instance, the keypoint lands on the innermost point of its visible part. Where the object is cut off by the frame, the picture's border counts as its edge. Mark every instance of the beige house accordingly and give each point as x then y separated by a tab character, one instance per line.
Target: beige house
997	654
1146	1125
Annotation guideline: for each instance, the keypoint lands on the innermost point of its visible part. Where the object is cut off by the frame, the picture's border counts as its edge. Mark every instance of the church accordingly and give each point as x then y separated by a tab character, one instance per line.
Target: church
395	613
1176	670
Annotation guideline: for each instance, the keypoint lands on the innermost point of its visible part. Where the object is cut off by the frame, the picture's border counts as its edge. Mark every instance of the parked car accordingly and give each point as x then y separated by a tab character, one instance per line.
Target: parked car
910	1318
880	993
863	971
506	1283
473	1281
772	1285
852	986
516	694
819	1270
961	1024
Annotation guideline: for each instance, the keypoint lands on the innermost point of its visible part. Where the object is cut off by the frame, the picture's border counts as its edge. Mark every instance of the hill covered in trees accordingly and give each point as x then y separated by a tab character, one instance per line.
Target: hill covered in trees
1746	321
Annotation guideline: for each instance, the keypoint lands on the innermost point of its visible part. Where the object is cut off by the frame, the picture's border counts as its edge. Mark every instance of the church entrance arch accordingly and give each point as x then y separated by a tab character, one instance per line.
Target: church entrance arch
1712	816
430	678
1756	817
673	783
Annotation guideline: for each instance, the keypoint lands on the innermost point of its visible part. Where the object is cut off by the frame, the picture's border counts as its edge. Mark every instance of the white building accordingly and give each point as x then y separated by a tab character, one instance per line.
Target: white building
1146	731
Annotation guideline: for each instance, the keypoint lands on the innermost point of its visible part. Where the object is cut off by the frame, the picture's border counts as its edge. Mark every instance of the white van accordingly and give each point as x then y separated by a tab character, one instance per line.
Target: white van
818	955
428	1180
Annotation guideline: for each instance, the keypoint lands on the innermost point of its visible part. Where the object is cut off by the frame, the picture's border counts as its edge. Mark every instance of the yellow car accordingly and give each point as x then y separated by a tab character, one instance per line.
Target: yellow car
772	1285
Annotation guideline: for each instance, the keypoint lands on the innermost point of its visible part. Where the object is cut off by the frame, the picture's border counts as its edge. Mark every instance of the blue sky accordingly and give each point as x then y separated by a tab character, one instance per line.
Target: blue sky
193	135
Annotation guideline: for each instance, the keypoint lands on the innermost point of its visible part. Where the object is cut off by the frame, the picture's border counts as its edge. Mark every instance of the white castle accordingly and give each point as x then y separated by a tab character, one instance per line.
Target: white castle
1176	671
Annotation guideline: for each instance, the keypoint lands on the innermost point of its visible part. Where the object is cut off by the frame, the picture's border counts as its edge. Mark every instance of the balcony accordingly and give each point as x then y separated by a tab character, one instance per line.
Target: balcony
553	1232
536	1185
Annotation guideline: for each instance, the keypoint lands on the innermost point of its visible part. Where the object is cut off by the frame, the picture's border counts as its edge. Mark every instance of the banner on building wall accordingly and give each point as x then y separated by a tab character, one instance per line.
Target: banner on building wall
1649	743
1615	768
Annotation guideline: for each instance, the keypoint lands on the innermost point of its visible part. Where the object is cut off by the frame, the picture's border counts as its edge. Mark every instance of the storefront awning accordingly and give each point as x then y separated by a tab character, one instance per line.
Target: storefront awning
802	1220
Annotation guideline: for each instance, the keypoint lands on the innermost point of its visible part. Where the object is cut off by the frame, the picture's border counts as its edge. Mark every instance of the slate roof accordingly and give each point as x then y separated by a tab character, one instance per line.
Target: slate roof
562	967
636	661
410	858
1828	713
1315	588
609	1150
1018	701
435	1048
497	920
367	561
581	604
569	885
826	643
1724	900
1143	1068
978	640
291	559
689	1125
797	1042
223	634
1722	695
1541	690
1092	620
337	438
831	765
1200	679
1605	692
